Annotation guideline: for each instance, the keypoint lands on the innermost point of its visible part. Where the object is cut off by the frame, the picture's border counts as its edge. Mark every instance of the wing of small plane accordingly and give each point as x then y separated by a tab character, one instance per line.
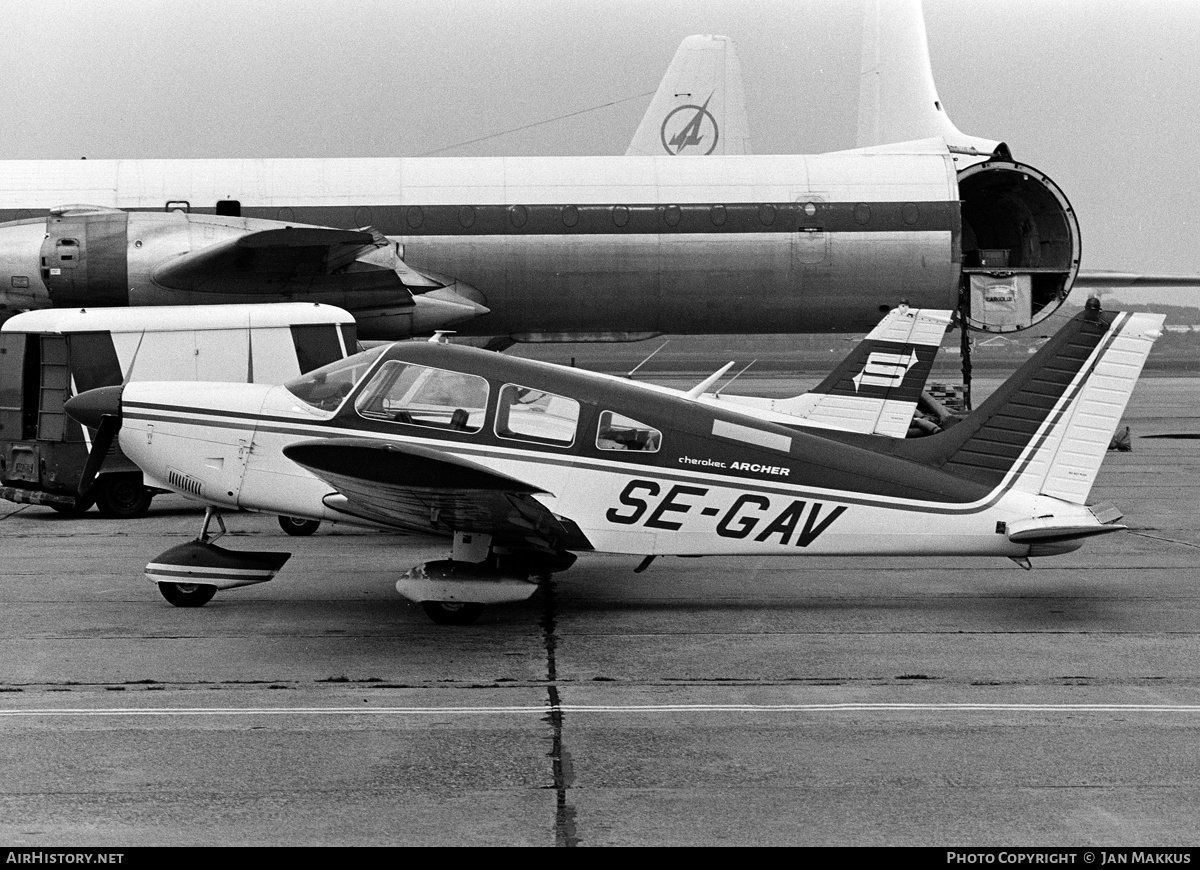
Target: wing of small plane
293	256
876	388
700	106
427	490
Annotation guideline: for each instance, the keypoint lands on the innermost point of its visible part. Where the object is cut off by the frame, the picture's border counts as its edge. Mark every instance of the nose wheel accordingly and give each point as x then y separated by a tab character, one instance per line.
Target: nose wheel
187	594
189	575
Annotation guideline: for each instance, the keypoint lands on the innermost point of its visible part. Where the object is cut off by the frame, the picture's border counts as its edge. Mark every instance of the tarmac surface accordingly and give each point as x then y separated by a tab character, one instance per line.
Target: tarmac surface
716	701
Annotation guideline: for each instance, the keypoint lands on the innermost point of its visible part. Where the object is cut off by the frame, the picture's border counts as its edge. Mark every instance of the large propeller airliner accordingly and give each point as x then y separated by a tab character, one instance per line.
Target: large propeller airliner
524	465
618	247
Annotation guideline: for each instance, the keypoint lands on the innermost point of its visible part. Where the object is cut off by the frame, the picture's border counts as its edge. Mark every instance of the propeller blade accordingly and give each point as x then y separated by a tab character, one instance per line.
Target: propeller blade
98	409
101	444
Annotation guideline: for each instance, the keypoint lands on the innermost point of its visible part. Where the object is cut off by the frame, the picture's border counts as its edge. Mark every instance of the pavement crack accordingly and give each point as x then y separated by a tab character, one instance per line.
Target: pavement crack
565	833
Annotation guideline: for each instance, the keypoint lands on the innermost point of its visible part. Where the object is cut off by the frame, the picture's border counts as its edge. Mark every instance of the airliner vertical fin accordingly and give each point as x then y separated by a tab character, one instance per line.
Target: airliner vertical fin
898	99
700	106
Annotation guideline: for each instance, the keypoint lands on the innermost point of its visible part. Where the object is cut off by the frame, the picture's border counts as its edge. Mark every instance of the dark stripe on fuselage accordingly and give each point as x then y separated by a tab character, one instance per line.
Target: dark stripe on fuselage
613	218
668	465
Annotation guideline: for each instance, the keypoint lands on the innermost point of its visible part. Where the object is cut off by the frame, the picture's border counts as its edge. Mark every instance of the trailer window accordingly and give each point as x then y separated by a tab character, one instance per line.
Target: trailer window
424	396
350	338
94	361
316	345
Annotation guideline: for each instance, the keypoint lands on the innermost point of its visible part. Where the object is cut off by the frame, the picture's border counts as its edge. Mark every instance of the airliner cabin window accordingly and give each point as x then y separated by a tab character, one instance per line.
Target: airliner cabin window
422	396
617	432
526	414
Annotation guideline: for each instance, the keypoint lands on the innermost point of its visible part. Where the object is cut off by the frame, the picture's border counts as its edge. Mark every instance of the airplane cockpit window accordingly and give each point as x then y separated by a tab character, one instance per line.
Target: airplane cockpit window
526	414
324	388
422	396
618	432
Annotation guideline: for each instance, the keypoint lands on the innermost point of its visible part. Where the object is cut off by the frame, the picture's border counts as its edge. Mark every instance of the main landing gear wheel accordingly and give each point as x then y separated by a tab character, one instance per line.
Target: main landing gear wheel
122	496
187	594
298	527
452	612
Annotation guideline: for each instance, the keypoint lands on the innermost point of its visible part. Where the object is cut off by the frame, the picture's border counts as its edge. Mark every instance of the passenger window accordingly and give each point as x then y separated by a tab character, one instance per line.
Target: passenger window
526	414
422	396
617	432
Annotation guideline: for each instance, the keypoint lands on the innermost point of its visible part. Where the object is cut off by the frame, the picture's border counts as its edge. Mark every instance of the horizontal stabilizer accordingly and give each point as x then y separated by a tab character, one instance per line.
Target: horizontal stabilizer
1054	530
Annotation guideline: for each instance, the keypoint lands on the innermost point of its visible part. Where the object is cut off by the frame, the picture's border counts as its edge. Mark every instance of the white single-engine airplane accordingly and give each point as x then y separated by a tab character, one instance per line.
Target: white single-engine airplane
525	464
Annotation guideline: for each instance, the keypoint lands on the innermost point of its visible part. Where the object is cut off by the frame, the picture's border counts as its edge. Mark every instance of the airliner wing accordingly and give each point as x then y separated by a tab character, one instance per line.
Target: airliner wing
293	256
1101	280
700	106
423	489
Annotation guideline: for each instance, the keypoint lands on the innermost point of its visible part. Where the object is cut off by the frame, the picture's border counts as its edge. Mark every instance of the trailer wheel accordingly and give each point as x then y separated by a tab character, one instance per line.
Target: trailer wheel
122	496
188	594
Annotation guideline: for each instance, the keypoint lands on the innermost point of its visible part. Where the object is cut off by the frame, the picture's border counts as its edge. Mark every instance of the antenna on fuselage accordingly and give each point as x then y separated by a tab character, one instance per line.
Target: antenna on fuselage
441	336
647	359
717	394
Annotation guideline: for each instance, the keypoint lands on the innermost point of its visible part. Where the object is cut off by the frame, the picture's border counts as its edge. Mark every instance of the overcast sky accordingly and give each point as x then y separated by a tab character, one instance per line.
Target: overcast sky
1099	95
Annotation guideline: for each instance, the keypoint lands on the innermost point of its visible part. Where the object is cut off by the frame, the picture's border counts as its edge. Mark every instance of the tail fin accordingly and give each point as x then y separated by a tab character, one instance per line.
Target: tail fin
876	388
1047	429
897	98
700	107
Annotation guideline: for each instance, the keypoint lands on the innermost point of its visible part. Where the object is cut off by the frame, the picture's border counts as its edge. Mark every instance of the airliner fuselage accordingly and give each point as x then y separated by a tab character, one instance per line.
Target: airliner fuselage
570	245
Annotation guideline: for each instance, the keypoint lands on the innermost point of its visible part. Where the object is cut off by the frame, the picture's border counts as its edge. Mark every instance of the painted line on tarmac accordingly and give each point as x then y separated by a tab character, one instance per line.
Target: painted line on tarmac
602	708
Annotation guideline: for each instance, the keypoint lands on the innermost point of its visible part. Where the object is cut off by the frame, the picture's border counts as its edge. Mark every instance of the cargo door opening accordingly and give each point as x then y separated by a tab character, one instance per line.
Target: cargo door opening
1020	246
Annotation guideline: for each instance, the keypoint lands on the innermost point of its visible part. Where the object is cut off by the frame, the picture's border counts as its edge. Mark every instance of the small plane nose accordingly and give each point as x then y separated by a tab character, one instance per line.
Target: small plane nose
88	408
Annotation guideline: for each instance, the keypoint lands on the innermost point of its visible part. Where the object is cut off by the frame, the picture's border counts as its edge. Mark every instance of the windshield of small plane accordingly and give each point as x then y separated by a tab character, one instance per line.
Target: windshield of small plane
422	396
324	388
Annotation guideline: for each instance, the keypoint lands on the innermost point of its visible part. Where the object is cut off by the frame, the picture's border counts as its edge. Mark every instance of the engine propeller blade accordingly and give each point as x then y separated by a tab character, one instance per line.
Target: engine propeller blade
98	409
